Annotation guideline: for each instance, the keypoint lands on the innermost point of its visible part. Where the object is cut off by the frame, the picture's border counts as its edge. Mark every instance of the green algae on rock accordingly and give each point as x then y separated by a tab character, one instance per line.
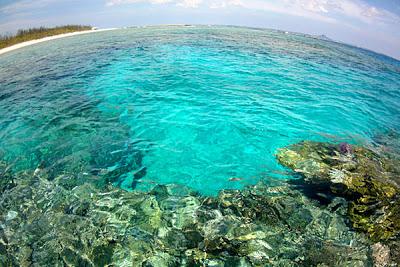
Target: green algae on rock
364	176
43	223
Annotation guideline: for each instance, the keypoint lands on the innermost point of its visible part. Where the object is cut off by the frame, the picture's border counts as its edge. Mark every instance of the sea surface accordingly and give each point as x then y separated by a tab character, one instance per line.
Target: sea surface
202	106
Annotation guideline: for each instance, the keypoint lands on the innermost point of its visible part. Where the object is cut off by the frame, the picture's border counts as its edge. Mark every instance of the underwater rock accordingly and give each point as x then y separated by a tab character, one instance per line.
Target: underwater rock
11	215
345	148
363	176
6	178
90	226
380	255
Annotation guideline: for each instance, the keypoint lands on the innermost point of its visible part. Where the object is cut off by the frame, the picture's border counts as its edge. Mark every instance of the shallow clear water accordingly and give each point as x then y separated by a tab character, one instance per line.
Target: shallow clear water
190	105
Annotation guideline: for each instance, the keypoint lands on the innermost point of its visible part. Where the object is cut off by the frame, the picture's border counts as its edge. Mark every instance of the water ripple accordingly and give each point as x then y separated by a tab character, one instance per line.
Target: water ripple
195	106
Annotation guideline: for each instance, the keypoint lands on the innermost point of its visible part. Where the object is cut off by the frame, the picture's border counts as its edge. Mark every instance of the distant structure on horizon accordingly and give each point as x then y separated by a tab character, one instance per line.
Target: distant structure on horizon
323	37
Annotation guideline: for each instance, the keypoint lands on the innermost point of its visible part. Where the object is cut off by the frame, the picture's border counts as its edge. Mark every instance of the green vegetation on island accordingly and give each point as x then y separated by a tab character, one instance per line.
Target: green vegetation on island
37	33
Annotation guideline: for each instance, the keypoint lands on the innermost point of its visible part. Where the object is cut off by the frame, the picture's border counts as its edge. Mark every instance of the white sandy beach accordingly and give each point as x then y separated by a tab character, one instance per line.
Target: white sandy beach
24	44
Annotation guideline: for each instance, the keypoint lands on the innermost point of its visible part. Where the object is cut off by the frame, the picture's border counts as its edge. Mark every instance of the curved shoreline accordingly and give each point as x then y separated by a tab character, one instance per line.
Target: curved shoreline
54	37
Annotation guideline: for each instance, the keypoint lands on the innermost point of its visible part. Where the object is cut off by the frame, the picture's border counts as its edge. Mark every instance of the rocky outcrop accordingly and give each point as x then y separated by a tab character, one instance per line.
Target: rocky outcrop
366	177
75	222
43	223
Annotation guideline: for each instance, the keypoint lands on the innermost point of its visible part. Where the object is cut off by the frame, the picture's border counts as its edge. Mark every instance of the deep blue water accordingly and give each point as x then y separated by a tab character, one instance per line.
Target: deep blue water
190	105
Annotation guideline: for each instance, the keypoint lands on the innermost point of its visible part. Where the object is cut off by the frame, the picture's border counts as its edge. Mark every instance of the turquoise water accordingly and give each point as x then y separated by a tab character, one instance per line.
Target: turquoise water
205	107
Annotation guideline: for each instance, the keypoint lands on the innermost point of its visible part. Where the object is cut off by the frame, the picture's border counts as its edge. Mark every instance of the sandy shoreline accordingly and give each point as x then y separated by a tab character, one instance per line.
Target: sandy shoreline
32	42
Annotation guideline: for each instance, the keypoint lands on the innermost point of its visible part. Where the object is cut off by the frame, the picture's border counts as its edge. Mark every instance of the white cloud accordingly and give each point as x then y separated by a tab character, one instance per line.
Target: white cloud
189	3
181	3
363	11
327	10
307	9
224	4
122	2
24	5
324	10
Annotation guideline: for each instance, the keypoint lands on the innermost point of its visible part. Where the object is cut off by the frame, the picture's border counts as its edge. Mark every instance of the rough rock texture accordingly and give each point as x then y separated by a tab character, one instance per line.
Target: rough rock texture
381	255
43	223
367	178
6	181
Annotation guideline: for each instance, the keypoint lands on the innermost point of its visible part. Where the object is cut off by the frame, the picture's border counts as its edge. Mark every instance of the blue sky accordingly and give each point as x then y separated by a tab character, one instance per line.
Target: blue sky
372	24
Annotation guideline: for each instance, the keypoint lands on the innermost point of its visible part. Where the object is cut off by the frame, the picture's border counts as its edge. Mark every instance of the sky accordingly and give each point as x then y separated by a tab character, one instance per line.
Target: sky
371	24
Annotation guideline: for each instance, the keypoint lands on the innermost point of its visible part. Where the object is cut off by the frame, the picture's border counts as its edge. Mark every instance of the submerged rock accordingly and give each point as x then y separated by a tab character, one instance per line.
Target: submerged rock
88	226
7	180
380	255
366	178
345	148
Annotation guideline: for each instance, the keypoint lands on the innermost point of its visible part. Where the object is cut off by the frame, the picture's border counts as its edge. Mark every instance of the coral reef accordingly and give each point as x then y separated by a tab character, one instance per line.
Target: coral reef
367	177
43	223
73	221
